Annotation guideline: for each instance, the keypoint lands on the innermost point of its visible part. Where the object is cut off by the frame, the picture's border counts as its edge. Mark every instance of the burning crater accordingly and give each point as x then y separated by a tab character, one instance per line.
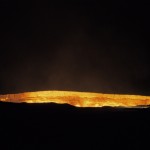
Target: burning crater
78	99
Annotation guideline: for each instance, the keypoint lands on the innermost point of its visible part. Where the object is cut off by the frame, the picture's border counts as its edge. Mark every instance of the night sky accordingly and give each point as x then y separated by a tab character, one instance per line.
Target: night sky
81	45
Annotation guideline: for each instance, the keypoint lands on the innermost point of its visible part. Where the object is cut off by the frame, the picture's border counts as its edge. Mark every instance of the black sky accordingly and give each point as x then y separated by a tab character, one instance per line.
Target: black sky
82	45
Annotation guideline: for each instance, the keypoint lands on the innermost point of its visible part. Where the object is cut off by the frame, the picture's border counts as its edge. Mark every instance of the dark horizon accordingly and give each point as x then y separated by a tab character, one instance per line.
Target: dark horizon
53	126
79	46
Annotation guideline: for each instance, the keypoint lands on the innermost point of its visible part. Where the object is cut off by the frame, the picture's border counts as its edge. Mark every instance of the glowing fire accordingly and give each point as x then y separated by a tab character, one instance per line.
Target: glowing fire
79	99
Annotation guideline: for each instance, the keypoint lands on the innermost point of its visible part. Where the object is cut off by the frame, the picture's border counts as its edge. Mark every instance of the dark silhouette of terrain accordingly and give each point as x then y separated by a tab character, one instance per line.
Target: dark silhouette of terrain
53	126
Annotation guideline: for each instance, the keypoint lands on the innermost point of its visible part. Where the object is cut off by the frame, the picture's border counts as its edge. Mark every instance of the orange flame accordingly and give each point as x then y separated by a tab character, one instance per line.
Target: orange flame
79	99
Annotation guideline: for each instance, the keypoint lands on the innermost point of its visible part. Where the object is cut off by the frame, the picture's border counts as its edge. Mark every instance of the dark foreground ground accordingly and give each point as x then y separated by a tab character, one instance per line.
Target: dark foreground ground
52	126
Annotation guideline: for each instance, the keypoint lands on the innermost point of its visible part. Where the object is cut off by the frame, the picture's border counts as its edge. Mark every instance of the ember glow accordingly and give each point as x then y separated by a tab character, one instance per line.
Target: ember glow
78	99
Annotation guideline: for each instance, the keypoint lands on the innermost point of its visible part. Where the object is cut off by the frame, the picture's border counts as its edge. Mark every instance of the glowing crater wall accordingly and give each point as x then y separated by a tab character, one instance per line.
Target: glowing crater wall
79	99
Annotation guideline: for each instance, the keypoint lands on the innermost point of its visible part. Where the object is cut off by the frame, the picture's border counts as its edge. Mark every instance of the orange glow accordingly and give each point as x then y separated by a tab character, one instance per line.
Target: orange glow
79	99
